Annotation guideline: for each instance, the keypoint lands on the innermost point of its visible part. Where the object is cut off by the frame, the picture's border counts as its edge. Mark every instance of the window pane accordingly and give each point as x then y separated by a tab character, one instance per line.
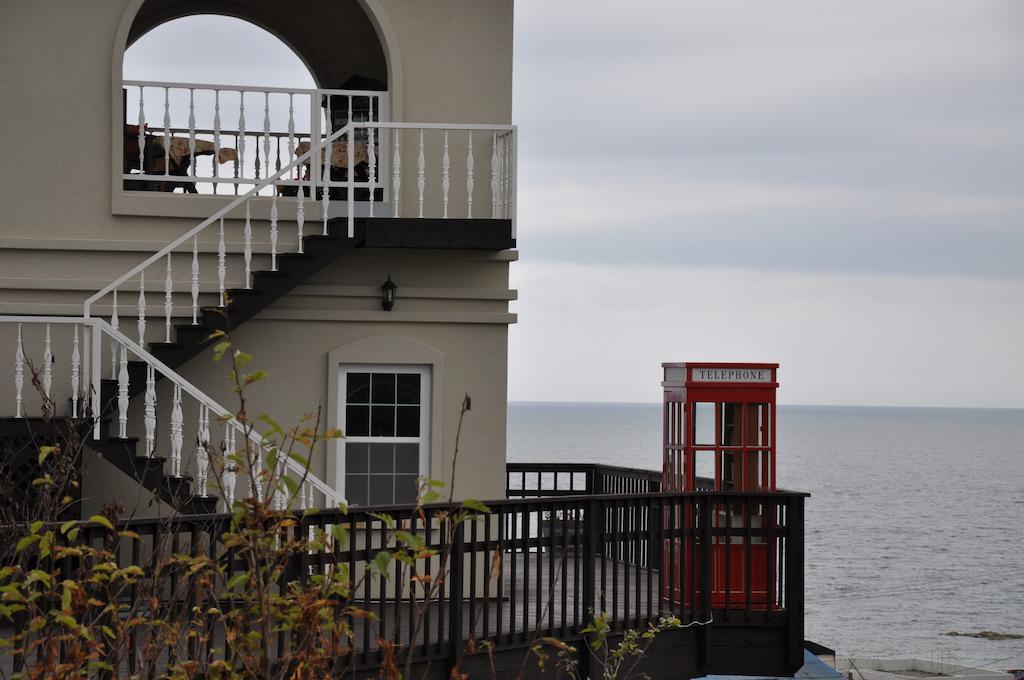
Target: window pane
357	421
382	458
383	391
358	388
356	489
704	427
409	388
407	458
408	421
405	488
382	489
356	459
382	424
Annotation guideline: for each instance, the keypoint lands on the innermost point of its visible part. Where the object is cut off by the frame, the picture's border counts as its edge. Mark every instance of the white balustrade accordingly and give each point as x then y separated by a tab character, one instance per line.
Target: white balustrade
114	321
273	232
421	172
177	434
445	178
194	289
122	394
140	325
168	300
149	417
470	163
76	368
247	245
19	374
221	263
203	451
47	368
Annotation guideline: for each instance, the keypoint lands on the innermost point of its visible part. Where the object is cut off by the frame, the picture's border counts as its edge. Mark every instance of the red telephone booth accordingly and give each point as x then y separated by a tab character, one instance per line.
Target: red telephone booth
719	436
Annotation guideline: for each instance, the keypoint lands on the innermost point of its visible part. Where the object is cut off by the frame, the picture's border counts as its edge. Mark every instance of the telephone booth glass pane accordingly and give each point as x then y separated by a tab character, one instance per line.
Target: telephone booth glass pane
704	462
704	423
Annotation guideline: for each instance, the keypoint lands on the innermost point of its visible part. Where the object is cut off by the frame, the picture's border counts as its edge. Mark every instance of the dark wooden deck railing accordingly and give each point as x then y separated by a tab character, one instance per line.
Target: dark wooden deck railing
534	480
543	566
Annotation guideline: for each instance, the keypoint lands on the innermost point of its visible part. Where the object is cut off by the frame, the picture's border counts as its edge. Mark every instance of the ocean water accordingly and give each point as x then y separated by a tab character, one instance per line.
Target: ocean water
914	528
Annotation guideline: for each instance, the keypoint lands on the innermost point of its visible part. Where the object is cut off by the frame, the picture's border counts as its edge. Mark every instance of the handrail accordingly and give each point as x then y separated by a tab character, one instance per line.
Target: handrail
200	396
241	199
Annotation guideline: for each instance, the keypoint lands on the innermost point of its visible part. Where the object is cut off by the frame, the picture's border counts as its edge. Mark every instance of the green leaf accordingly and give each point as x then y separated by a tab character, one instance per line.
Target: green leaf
219	349
242	358
102	521
301	460
429	497
237	580
291	485
36	526
408	539
25	543
381	561
64	528
388	520
44	452
475	505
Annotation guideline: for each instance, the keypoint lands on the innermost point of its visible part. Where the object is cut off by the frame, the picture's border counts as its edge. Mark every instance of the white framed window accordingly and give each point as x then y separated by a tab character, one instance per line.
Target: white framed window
385	418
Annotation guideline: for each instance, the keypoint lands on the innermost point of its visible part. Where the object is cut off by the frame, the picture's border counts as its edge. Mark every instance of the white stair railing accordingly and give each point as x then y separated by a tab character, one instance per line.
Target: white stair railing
38	339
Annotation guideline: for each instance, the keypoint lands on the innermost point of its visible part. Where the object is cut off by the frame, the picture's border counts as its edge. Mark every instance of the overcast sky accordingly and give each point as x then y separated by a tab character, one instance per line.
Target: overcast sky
836	186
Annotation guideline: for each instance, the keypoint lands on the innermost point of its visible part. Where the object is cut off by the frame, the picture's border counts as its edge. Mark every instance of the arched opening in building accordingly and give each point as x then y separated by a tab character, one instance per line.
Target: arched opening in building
217	95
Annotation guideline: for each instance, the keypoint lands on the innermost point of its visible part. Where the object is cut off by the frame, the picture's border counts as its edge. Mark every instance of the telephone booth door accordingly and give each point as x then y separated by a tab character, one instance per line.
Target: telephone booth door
719	436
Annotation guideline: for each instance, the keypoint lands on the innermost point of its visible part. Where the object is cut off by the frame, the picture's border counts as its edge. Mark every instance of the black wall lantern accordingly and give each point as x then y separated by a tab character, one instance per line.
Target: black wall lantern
388	288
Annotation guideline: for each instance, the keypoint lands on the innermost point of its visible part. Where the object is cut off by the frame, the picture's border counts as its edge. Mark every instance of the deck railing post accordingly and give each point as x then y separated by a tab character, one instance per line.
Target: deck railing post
794	581
706	549
591	518
456	594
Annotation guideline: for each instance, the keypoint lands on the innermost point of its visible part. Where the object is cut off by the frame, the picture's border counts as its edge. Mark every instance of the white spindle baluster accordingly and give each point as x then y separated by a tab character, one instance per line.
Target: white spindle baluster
195	281
47	367
396	171
470	181
122	394
222	269
371	158
266	131
300	215
168	300
302	497
280	491
507	193
291	133
216	138
273	230
76	368
141	323
494	177
167	132
241	135
230	467
247	244
114	322
257	472
149	417
142	131
445	180
19	374
192	131
421	172
328	152
177	436
203	451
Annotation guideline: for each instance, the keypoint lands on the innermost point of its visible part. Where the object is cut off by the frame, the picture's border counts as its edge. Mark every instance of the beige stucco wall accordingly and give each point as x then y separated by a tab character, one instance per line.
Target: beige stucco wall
67	229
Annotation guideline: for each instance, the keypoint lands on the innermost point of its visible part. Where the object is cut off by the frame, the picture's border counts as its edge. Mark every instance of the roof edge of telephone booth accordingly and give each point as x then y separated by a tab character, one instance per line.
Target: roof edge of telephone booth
716	364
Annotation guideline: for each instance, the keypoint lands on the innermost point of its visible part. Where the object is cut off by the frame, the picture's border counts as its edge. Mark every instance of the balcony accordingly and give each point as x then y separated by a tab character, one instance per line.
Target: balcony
188	149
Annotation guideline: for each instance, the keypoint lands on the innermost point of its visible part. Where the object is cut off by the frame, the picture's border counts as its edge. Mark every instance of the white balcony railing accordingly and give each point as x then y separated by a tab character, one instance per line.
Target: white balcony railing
417	170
